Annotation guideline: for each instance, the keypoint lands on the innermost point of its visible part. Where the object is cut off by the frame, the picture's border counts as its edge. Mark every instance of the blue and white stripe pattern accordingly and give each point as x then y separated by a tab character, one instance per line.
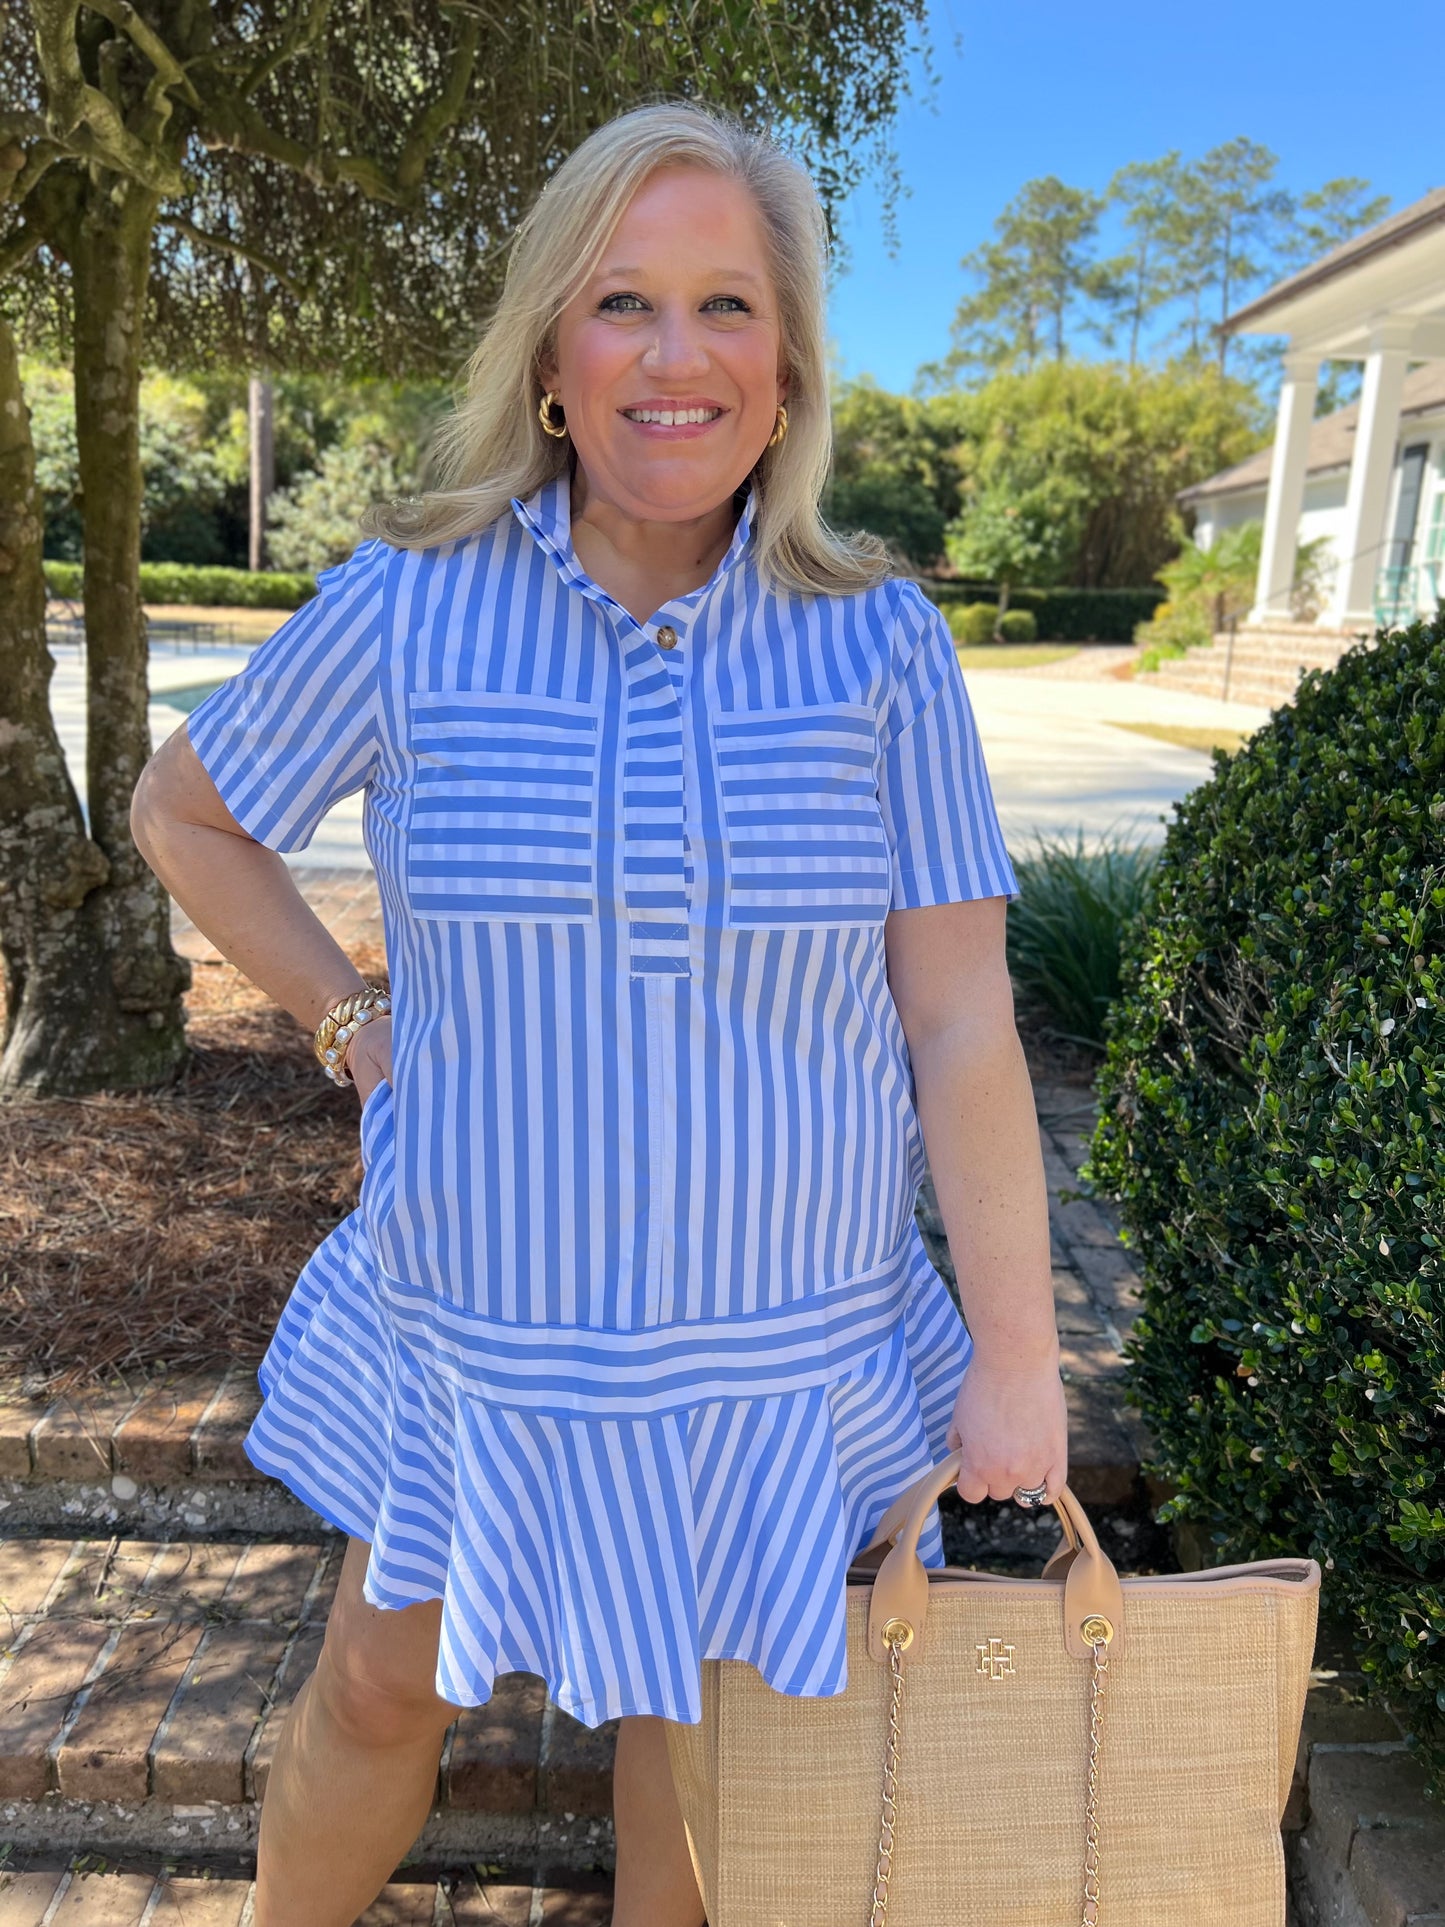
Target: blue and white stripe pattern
632	1326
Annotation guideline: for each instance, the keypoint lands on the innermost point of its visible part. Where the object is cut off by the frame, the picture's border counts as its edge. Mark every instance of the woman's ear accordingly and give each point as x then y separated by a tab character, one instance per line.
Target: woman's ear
547	371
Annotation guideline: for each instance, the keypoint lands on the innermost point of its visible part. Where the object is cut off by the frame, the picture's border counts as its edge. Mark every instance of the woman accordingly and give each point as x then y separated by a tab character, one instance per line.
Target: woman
694	902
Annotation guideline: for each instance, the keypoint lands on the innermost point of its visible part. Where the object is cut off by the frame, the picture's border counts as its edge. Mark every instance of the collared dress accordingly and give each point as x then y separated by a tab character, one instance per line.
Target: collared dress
632	1335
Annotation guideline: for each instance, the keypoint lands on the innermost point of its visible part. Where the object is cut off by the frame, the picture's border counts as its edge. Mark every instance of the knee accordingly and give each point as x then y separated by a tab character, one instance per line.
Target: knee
374	1706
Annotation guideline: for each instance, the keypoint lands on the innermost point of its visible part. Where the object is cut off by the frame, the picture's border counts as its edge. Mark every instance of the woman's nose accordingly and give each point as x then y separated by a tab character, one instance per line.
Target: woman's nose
676	345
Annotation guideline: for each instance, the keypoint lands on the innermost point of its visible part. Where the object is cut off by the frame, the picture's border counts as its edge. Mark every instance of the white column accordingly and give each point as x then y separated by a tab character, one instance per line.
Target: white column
1286	495
1362	540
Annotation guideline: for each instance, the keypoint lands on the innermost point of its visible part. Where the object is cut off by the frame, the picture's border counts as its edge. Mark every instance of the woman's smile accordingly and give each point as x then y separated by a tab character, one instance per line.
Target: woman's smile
672	419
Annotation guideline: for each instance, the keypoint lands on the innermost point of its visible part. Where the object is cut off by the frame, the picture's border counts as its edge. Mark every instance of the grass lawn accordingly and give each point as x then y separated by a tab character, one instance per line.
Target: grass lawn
1191	736
1014	655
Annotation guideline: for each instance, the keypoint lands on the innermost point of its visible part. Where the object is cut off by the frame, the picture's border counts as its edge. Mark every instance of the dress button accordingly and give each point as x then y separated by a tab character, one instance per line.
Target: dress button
666	637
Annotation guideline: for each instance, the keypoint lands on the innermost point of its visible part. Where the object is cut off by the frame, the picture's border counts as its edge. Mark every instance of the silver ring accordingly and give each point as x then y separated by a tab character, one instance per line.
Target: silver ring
1030	1496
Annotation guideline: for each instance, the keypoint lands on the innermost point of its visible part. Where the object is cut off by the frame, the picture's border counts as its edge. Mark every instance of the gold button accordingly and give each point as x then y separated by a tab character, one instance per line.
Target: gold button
666	637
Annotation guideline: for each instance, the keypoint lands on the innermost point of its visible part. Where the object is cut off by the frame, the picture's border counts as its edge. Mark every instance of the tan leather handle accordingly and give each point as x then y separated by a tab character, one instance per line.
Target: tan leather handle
1090	1589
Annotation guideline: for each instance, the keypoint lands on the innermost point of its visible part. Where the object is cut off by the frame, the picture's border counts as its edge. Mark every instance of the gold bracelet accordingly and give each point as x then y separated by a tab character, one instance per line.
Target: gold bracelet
340	1025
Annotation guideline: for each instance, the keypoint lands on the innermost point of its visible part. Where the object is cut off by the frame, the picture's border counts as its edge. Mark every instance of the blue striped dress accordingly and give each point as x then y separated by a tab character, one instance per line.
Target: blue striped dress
632	1334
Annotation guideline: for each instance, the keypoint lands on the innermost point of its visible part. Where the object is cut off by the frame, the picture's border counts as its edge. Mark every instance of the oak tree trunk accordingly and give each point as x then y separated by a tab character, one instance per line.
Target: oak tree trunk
94	987
59	997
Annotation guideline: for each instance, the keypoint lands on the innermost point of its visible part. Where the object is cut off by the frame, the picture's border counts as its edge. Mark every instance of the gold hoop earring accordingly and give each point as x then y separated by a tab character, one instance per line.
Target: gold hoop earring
780	427
544	415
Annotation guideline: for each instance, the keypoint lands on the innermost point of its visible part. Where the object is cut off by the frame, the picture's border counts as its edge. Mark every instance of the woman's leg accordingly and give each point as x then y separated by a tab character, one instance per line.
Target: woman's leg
655	1882
356	1764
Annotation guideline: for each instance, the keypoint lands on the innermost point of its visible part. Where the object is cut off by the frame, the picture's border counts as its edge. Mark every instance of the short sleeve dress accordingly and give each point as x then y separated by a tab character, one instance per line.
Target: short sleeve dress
632	1335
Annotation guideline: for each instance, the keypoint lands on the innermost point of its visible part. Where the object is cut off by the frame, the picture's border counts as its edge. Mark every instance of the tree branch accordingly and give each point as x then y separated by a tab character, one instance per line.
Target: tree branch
170	72
224	246
82	116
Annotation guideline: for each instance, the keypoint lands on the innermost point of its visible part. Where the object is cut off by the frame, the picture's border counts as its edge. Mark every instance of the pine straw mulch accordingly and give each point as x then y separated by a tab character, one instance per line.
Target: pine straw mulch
163	1231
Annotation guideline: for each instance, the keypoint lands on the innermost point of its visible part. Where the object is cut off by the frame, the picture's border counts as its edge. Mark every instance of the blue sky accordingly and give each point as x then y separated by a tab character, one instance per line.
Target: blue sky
1054	88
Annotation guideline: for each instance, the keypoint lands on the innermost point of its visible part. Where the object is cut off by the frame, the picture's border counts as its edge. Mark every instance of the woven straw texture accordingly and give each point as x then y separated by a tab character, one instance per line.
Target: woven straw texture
1203	1704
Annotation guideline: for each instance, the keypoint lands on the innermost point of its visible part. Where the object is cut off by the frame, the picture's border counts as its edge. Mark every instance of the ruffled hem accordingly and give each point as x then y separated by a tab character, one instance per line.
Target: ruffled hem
609	1555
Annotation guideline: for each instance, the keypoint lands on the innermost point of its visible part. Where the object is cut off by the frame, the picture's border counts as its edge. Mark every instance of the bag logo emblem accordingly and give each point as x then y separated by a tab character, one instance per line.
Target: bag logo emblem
995	1660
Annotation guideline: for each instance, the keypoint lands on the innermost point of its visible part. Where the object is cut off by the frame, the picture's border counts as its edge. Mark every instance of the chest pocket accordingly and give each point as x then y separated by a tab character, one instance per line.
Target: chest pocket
503	816
803	832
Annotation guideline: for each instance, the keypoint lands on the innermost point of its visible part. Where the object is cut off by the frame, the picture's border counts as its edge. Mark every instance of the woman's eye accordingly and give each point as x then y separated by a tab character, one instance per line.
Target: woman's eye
614	304
736	305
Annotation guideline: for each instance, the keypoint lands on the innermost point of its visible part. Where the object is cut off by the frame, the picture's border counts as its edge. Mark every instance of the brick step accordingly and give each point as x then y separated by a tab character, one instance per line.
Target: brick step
82	1896
1206	678
143	1686
159	1458
145	1465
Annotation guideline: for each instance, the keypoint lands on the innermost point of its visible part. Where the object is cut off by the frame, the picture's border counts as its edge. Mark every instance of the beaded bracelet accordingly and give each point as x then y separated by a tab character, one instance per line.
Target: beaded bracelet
340	1025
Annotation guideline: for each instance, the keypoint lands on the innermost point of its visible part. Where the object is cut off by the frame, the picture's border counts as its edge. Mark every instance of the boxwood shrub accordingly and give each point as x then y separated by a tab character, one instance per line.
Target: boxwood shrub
211	588
972	623
1063	615
1019	625
1272	1125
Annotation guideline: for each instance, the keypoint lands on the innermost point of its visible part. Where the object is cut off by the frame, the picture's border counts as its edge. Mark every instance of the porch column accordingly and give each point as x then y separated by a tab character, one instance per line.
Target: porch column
1362	540
1285	500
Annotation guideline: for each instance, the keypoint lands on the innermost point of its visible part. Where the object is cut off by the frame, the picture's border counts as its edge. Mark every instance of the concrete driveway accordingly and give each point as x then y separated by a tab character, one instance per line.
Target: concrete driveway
1057	764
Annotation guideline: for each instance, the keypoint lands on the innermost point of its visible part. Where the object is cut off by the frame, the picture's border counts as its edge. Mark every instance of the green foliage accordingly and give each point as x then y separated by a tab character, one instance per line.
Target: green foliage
1018	625
1273	1125
1065	927
971	623
1030	277
1012	538
895	469
162	582
1200	234
1204	588
314	523
1063	615
1207	589
1073	470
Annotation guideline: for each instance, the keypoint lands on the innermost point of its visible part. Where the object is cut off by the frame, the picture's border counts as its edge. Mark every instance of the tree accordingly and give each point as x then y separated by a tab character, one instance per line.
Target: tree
895	468
313	523
164	179
1092	456
1030	278
1011	540
1229	225
1148	194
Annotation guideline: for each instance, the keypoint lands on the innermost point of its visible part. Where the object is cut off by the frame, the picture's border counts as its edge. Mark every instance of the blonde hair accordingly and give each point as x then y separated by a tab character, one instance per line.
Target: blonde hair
492	447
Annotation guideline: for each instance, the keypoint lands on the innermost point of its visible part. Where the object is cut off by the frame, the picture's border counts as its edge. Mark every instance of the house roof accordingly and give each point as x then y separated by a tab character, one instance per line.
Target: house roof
1332	438
1393	232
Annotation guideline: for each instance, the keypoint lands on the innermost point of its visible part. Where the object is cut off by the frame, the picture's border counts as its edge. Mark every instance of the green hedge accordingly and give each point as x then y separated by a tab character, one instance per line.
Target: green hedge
974	623
1273	1125
1063	615
211	588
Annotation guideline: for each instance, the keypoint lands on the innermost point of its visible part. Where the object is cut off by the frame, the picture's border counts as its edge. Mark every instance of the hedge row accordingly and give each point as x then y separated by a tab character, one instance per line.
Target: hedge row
208	588
1272	1124
1063	615
974	623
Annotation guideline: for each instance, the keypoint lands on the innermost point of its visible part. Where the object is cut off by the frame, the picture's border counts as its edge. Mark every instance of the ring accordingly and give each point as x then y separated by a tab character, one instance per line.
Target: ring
1030	1496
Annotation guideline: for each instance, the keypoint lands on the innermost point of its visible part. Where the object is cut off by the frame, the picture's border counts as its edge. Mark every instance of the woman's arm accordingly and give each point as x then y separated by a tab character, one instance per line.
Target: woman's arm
950	982
241	896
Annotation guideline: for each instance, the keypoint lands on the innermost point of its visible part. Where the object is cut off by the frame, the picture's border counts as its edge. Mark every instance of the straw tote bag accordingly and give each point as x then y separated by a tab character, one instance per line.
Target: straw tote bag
1074	1749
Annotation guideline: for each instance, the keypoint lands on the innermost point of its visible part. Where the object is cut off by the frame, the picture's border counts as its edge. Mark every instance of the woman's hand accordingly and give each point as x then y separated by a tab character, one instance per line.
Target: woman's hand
369	1059
1011	1424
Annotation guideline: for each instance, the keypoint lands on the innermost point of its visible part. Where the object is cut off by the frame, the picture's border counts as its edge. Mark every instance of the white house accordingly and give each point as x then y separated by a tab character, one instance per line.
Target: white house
1370	478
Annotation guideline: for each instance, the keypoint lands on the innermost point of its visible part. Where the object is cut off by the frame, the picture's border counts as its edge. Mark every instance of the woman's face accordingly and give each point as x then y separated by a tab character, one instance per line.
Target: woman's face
668	361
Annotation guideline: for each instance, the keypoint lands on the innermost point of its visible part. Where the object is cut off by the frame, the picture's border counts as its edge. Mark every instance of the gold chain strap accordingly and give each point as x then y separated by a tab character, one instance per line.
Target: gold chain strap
1099	1632
898	1637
